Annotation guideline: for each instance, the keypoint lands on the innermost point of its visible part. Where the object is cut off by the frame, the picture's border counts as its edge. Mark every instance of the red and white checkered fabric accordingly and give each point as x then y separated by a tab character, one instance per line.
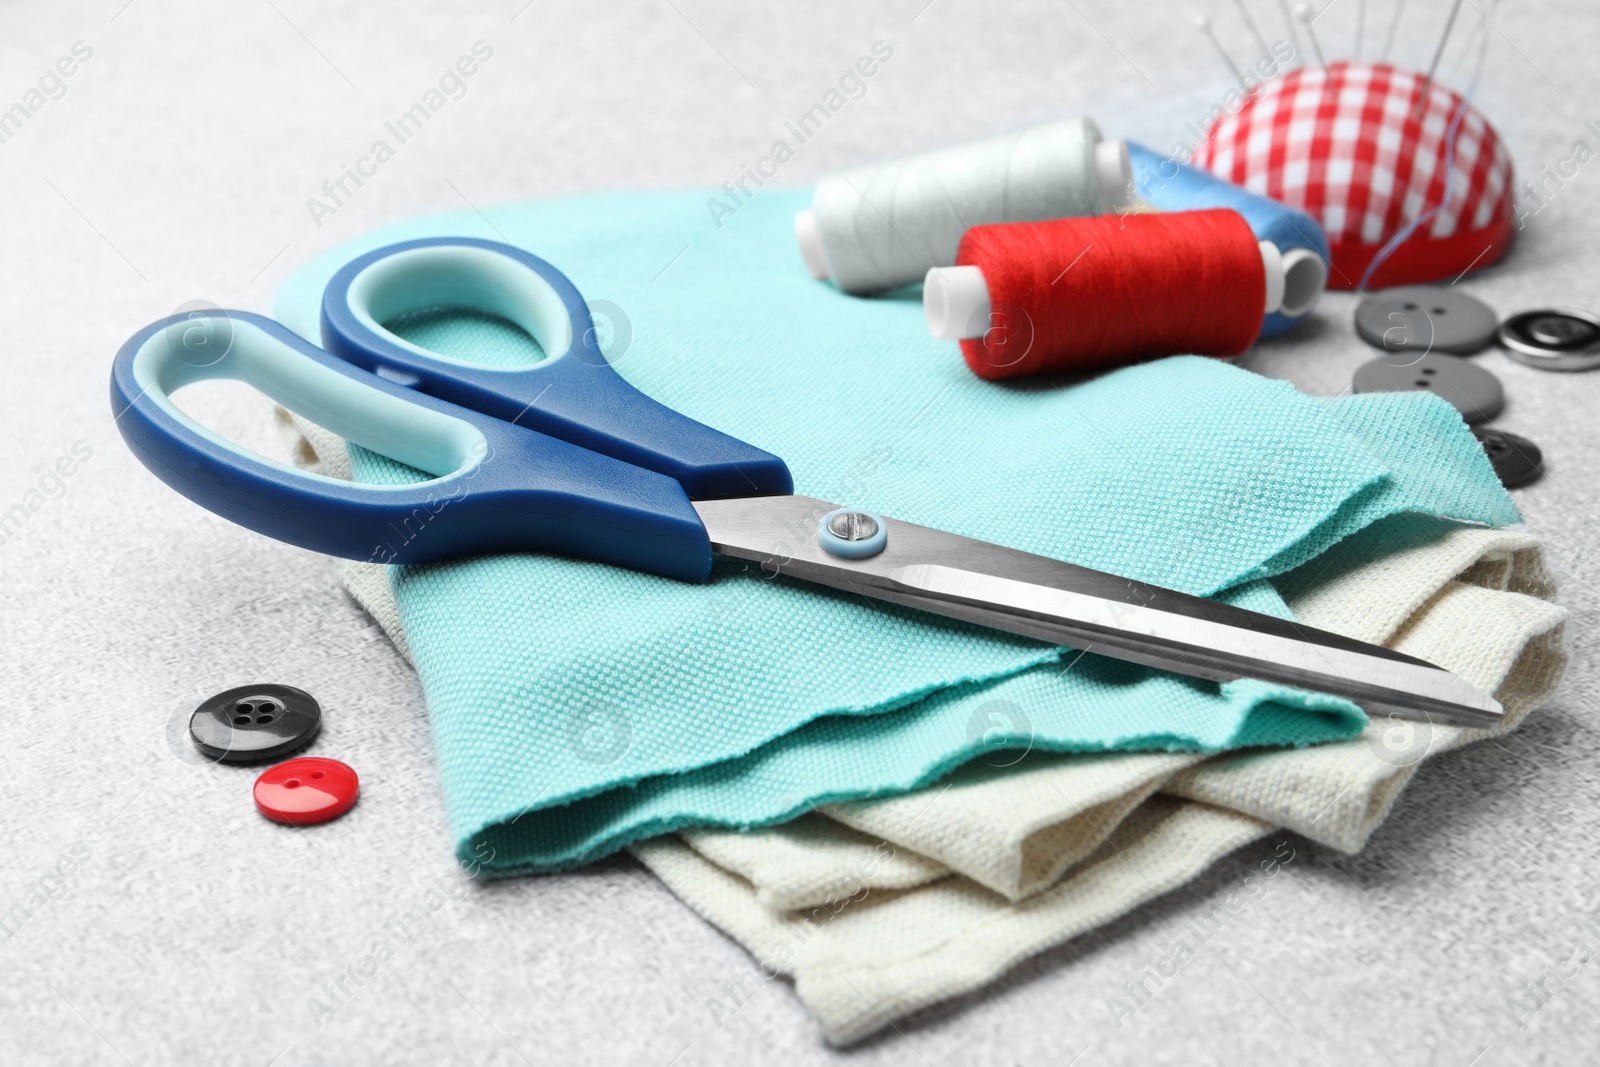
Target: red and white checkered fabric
1348	145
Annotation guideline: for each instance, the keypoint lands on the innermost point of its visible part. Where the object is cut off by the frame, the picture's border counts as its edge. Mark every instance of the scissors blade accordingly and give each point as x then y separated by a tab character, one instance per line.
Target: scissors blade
1034	596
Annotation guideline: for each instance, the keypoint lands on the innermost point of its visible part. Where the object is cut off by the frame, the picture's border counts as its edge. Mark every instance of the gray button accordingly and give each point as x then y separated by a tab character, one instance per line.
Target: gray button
1426	318
1517	460
1553	339
1474	391
1560	331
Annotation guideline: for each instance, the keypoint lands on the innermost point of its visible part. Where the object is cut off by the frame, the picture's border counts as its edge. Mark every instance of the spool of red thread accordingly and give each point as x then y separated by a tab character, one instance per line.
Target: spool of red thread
1083	294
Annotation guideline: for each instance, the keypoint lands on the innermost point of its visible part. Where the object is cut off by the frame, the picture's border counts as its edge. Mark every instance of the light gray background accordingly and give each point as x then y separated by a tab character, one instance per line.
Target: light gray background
177	167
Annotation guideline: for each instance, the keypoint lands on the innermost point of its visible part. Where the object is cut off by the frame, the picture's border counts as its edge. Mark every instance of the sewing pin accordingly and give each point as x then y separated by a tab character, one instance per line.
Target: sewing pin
1306	16
1394	22
1204	25
1294	38
1427	82
1255	30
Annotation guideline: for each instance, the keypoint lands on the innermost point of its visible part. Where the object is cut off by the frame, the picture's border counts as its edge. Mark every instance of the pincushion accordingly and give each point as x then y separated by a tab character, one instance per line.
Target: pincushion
1406	194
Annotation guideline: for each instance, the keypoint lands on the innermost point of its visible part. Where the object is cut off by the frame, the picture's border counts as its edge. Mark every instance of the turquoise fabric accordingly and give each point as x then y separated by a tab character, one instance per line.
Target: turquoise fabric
577	707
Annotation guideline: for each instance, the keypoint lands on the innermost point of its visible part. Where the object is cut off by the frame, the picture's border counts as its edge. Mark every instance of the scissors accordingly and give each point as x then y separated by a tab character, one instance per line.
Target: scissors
566	457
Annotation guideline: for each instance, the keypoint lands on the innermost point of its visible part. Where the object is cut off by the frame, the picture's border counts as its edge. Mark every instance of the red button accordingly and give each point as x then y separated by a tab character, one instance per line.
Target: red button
307	790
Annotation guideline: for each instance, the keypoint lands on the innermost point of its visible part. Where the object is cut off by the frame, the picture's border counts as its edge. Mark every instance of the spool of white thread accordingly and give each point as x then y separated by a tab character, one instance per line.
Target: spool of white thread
956	299
882	226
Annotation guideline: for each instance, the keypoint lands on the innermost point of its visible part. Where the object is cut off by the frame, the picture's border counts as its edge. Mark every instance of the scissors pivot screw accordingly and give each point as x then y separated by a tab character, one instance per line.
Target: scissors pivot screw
851	534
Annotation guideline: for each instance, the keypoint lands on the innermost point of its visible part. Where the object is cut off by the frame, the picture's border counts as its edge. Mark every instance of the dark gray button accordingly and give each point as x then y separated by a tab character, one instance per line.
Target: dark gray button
1474	391
1517	461
254	723
1425	318
1561	331
1553	339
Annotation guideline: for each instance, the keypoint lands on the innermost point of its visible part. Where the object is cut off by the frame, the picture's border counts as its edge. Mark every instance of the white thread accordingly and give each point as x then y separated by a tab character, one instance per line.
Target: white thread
885	225
809	237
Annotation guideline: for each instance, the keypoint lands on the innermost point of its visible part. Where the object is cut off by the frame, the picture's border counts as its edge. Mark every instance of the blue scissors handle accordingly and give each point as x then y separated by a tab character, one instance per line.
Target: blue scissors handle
495	486
574	394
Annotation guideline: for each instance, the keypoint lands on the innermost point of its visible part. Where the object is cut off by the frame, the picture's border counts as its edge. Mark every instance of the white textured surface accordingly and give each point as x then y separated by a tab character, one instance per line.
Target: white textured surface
177	167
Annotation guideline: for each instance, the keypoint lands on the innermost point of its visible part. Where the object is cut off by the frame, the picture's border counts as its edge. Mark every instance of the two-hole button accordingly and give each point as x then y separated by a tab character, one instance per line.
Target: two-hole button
310	789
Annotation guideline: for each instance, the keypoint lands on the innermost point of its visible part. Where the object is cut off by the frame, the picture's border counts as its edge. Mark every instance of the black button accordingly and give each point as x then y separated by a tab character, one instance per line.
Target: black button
1474	391
1517	461
254	723
1560	331
1426	318
1553	339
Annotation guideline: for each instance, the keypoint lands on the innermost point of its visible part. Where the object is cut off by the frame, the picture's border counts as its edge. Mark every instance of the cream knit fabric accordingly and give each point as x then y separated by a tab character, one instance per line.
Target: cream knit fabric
1012	829
1474	601
1015	830
861	963
813	862
878	908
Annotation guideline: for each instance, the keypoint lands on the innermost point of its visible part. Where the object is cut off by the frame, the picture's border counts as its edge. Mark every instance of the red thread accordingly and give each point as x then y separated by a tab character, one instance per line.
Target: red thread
1081	294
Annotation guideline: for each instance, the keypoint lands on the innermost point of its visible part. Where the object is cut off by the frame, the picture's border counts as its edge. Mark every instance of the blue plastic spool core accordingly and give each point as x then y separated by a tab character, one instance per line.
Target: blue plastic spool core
851	533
